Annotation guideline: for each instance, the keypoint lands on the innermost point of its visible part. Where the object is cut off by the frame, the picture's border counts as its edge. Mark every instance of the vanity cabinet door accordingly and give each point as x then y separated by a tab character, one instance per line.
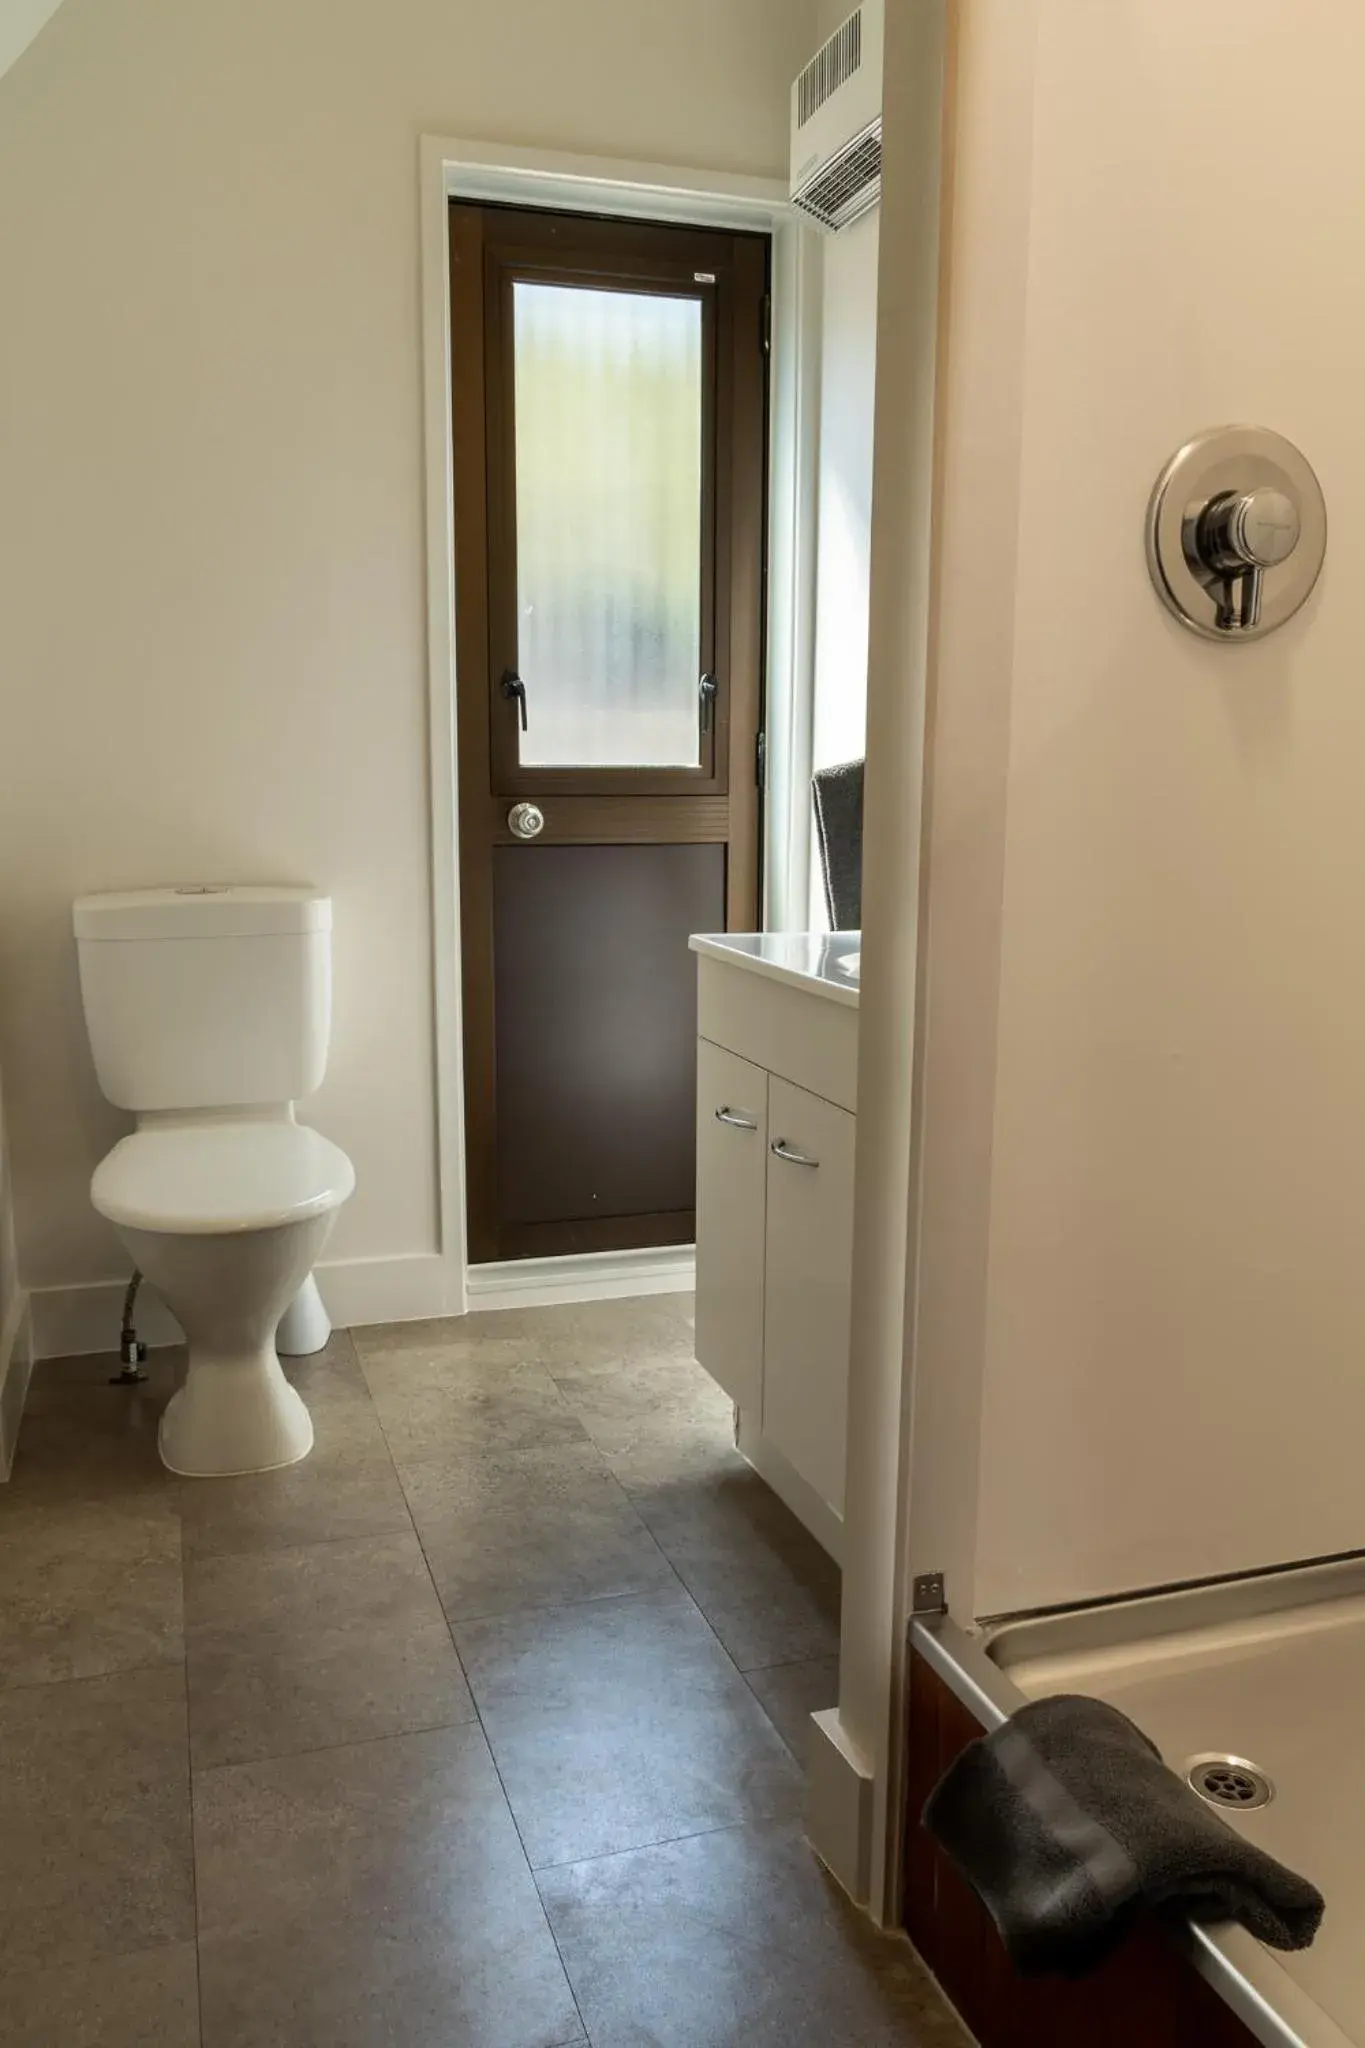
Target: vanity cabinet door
808	1285
732	1154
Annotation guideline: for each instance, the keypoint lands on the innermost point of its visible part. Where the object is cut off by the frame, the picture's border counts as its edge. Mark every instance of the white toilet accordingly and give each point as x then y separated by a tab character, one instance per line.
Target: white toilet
209	1011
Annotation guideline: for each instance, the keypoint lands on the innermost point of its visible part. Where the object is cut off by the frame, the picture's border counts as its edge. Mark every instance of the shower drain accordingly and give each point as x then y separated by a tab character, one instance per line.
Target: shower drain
1229	1781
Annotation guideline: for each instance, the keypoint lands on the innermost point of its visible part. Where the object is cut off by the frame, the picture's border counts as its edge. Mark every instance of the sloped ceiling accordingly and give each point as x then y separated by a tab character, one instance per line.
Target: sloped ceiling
20	21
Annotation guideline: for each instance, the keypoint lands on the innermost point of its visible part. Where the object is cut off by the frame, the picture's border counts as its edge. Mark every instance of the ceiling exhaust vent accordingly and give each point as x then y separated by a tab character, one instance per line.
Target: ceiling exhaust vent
836	124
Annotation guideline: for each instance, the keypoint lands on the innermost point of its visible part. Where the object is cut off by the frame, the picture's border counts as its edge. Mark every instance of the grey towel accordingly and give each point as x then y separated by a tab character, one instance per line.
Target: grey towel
1068	1826
838	796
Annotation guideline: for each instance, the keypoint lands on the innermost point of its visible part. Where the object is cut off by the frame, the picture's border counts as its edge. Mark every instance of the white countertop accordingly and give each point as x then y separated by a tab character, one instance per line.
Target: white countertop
826	963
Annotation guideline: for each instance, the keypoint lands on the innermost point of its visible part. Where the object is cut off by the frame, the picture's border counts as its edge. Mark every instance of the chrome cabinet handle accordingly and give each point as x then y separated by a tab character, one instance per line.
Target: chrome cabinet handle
726	1115
781	1150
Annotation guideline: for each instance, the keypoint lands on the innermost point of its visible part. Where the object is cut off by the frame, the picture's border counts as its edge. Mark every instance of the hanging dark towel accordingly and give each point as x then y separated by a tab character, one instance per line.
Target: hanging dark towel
838	795
1068	1826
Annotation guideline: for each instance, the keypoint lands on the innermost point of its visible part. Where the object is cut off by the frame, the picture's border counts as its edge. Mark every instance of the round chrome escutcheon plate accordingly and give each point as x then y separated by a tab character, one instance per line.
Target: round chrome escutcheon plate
1224	463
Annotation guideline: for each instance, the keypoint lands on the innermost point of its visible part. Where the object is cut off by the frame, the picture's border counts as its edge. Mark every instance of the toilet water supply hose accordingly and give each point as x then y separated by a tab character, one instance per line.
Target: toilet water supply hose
131	1349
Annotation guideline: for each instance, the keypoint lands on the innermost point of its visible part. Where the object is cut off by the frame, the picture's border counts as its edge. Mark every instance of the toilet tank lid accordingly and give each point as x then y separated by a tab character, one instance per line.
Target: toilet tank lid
202	910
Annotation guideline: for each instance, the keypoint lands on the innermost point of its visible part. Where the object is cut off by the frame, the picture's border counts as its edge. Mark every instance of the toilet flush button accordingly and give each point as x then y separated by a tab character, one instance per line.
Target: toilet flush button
204	889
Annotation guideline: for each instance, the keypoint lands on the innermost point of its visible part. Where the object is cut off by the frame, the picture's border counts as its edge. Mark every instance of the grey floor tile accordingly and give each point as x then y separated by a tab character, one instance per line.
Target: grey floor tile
790	1693
500	1481
320	1595
147	2000
645	1401
362	1882
87	1588
89	1441
372	1896
290	1697
763	1582
593	1785
345	1488
678	1314
94	1817
692	1453
291	1650
436	1339
326	1499
594	1332
583	1657
589	1330
658	1418
733	1937
639	1376
622	1722
764	1612
459	1402
330	1377
529	1531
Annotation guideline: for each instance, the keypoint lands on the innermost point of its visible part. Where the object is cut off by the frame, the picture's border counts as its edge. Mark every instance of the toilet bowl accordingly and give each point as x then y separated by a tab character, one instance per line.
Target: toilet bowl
209	1013
226	1220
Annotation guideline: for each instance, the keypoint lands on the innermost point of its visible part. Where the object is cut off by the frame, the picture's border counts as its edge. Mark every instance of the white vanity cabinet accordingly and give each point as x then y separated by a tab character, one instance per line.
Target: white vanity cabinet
776	1086
806	1273
732	1176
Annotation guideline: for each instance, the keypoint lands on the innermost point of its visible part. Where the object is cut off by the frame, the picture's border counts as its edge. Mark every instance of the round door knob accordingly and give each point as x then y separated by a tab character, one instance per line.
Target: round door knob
1256	529
525	821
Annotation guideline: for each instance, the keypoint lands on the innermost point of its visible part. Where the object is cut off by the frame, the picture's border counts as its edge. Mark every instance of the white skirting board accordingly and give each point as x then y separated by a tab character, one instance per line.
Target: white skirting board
70	1321
582	1276
16	1363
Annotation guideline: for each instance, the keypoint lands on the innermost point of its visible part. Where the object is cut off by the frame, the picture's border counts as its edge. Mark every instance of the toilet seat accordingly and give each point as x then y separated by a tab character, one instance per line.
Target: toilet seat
201	1179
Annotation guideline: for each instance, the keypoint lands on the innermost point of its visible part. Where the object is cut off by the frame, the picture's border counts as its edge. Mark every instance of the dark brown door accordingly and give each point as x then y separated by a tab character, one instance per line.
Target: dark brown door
610	406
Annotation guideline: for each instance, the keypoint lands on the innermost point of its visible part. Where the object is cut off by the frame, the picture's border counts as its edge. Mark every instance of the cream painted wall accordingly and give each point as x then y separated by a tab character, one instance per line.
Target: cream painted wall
1140	1309
211	539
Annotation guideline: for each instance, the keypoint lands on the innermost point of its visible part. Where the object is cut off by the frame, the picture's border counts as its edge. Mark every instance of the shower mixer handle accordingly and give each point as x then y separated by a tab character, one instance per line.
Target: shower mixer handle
1239	535
1236	532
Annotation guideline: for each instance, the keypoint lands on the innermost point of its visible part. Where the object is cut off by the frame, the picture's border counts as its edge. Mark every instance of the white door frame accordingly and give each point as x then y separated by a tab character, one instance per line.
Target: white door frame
452	169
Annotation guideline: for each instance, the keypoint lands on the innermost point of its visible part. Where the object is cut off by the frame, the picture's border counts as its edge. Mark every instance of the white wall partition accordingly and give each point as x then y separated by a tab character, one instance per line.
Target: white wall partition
853	1759
1140	1318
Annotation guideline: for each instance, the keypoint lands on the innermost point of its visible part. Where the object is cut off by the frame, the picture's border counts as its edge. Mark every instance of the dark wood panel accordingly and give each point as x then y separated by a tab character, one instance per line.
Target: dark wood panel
619	248
1145	1996
470	470
599	1234
624	821
596	1008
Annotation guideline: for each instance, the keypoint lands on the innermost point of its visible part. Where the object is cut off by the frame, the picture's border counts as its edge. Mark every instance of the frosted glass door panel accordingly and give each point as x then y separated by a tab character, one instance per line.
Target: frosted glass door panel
608	392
